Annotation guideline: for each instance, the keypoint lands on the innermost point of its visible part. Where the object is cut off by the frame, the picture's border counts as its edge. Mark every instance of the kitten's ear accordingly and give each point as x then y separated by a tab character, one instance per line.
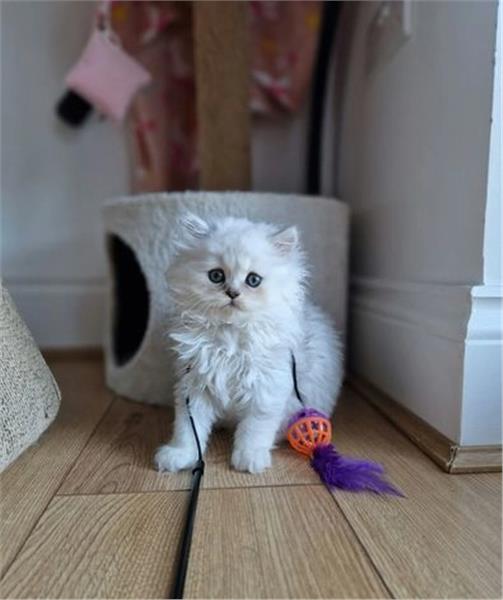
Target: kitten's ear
286	240
194	226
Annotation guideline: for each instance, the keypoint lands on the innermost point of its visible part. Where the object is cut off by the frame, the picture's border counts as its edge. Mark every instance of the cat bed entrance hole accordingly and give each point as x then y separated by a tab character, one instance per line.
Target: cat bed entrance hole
131	300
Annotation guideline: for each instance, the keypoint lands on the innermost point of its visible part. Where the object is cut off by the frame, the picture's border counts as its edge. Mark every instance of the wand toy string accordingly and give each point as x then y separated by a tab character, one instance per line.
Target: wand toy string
184	553
295	385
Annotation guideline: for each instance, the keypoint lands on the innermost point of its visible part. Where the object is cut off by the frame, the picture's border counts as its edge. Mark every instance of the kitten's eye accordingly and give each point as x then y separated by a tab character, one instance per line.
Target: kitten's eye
253	280
216	276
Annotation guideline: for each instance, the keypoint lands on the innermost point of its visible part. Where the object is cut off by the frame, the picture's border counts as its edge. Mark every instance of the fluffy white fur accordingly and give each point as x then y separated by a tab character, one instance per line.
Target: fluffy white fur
235	355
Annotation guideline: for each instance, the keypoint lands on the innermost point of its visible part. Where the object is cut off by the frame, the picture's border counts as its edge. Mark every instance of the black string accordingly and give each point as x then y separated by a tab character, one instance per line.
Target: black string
194	431
294	377
330	17
197	473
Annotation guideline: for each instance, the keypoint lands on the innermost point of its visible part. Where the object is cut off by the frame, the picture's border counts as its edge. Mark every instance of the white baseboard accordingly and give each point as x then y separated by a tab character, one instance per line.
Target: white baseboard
448	455
482	389
433	348
61	315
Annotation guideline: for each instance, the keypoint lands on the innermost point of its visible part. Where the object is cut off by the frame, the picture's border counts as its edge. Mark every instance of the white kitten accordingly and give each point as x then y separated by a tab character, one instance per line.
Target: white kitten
239	294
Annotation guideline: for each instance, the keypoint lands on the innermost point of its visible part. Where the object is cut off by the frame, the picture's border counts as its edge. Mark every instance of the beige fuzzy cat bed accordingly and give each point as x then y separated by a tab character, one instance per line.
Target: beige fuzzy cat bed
140	233
29	396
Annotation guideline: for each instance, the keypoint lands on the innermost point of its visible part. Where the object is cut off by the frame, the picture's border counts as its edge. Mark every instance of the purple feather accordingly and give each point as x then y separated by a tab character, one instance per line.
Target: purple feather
349	473
344	472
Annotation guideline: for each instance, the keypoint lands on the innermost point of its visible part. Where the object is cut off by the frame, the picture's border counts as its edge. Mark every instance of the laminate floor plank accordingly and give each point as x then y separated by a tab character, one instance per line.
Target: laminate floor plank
118	458
84	513
277	542
107	546
444	538
28	485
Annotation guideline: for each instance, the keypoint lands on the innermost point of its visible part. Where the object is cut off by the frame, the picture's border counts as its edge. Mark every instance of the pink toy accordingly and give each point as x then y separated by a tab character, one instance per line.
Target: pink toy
106	76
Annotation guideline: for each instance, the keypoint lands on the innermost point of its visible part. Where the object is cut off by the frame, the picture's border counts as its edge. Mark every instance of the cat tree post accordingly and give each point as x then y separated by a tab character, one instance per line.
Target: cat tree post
222	59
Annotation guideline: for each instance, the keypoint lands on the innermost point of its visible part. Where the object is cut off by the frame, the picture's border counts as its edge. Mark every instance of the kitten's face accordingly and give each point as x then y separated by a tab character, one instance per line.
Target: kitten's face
236	271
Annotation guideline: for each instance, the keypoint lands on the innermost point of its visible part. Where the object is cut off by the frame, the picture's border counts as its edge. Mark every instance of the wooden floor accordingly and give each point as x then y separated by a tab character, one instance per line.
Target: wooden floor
84	515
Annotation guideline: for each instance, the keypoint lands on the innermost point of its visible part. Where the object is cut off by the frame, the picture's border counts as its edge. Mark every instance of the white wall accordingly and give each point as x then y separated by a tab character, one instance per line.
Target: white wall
413	166
54	179
482	383
416	136
493	233
278	152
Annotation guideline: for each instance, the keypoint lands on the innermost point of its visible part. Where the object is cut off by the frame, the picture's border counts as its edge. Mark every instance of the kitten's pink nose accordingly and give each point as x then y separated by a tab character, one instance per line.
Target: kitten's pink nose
232	293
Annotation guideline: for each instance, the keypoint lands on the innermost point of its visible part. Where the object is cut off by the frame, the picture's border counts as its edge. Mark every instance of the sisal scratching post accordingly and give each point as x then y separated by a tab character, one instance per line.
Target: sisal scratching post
222	59
29	396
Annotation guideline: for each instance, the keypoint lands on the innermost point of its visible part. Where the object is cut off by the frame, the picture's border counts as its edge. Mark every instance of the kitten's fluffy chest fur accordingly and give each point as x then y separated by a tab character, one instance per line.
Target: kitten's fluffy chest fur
231	363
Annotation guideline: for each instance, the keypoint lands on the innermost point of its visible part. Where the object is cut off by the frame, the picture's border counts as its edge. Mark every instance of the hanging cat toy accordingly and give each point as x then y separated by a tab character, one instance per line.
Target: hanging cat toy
309	432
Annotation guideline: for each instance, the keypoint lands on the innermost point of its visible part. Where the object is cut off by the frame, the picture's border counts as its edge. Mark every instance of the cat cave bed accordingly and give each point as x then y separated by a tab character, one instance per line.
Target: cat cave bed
140	238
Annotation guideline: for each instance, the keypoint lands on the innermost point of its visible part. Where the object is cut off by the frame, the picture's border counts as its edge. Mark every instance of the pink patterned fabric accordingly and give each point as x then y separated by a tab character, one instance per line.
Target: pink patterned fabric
284	42
162	122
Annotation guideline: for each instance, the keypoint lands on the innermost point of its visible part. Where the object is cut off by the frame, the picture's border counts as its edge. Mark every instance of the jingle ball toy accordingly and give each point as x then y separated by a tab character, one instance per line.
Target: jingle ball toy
310	433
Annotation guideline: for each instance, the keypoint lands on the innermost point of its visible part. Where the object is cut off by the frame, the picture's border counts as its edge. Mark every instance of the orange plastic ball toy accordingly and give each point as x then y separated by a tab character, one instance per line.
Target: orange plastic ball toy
308	432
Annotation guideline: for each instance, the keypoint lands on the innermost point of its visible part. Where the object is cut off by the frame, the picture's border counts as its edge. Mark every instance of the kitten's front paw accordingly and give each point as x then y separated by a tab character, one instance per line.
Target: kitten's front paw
253	460
171	458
